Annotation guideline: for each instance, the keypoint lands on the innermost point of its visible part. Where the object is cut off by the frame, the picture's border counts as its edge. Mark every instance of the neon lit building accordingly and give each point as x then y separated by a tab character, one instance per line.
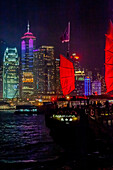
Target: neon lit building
26	62
10	73
96	87
87	86
44	65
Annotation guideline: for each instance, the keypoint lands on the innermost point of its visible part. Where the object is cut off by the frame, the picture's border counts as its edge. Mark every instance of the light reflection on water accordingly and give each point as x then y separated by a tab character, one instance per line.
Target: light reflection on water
25	138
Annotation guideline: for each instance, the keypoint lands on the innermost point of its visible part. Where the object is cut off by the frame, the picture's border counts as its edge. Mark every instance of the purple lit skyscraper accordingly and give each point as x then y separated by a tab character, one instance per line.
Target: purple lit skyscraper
26	62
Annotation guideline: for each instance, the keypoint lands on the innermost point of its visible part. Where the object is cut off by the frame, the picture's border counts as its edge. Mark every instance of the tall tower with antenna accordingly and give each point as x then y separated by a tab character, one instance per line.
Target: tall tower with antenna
26	63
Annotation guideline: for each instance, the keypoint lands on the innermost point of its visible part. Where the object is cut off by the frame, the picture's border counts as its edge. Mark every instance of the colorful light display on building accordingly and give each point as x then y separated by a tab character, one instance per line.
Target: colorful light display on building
87	86
10	73
27	70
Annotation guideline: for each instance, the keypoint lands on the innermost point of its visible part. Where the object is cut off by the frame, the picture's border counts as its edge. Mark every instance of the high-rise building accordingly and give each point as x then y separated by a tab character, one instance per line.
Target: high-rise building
1	82
87	86
10	74
57	76
103	85
3	46
88	73
79	83
75	59
44	65
79	76
28	42
96	87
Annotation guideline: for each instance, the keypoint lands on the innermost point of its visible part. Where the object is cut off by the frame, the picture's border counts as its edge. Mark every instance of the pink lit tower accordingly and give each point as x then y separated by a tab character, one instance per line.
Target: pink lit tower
28	44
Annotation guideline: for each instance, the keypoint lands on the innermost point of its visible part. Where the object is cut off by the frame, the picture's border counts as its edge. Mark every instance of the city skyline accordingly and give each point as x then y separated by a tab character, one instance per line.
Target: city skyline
48	20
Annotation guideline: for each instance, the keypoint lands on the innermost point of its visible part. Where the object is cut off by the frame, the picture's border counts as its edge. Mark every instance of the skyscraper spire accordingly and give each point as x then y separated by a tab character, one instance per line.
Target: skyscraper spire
28	27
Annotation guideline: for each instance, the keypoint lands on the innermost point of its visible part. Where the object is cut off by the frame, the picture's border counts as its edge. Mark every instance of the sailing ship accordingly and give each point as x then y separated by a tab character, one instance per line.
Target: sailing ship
65	119
67	77
109	59
67	81
103	122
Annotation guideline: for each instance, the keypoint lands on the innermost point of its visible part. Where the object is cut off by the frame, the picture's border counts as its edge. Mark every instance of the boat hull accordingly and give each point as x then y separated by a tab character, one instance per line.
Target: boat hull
26	109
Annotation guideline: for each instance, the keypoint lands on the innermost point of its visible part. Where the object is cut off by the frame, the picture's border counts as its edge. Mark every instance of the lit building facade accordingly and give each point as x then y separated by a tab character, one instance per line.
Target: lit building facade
103	85
57	76
10	74
87	86
1	82
89	73
28	42
79	76
79	82
3	46
44	65
75	59
96	87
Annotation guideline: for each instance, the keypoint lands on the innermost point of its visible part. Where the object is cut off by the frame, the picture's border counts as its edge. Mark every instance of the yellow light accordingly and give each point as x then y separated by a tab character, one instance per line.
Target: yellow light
68	98
76	57
74	54
27	79
75	118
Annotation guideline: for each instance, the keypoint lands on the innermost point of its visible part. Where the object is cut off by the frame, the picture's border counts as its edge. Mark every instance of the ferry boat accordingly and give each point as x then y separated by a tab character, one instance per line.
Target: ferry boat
6	106
26	109
68	112
65	123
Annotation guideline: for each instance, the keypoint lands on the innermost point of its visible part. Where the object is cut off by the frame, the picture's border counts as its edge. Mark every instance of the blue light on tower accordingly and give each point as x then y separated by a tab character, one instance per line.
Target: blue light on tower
87	86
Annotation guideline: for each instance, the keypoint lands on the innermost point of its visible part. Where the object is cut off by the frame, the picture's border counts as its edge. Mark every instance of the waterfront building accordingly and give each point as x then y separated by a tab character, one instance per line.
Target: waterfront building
79	75
88	73
103	85
28	43
44	65
76	61
10	74
79	82
1	82
57	76
87	86
96	74
3	46
96	87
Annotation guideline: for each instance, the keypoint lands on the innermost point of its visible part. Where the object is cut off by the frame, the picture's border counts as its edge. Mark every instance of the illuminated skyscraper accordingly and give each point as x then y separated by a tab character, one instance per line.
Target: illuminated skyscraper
1	82
75	59
79	76
57	76
87	86
3	46
26	62
79	83
10	73
44	65
96	87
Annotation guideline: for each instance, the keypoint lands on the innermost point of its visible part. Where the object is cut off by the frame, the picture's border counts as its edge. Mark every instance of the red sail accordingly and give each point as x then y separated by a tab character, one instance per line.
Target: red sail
109	59
67	78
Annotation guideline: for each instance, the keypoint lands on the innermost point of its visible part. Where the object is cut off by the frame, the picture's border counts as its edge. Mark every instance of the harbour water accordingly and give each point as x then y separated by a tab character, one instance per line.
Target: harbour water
25	143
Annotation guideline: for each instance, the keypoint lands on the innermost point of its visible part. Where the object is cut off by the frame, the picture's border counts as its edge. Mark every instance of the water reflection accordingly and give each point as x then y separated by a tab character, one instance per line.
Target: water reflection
25	141
24	138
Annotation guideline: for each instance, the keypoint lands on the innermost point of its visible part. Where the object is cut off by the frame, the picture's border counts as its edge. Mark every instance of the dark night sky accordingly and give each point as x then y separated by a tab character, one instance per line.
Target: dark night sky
48	19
